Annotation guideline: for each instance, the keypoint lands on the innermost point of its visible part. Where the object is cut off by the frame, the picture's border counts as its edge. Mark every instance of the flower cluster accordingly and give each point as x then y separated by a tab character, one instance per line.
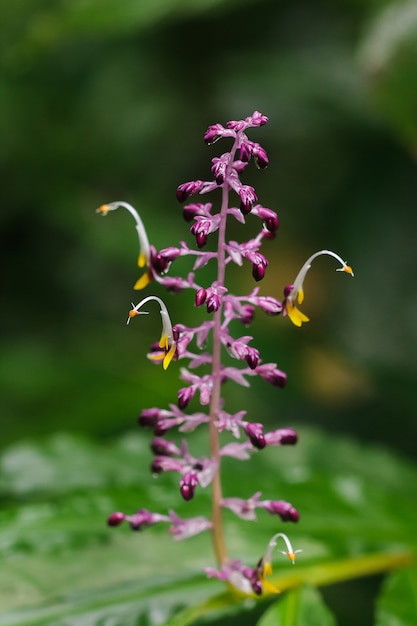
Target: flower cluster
230	358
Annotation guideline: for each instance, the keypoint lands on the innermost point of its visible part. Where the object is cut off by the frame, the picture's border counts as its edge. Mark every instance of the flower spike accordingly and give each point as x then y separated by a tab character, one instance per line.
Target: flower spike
167	342
295	293
205	347
144	258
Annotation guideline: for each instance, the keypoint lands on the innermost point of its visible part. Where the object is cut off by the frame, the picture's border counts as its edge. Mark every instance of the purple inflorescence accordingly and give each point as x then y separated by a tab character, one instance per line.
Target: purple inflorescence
239	361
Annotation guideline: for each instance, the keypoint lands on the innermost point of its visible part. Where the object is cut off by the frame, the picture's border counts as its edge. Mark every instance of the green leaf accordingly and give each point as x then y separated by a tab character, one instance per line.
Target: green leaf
60	558
397	604
389	59
300	607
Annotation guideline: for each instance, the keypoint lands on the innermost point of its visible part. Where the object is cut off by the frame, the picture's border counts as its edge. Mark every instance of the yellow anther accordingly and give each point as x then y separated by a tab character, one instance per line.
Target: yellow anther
103	209
348	270
291	556
132	313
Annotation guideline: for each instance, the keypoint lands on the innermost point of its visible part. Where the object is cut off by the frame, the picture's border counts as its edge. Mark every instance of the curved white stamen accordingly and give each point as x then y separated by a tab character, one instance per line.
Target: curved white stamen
273	542
144	246
298	283
166	321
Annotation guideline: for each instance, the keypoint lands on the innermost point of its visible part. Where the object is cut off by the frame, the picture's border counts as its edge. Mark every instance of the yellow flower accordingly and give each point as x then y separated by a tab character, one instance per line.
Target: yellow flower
265	564
295	293
166	343
144	258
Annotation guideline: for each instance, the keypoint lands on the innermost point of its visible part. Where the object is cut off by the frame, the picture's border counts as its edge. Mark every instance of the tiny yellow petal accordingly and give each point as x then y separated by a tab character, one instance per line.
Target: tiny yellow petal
295	315
156	356
142	282
142	260
133	313
163	342
269	587
348	270
169	356
103	209
300	296
267	569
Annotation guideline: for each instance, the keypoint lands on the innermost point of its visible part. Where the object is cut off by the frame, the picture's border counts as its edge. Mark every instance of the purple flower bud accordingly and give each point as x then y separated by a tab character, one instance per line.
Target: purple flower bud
281	437
247	198
288	437
236	125
258	119
259	264
213	303
185	395
258	271
272	375
143	519
163	427
165	464
269	217
268	304
255	434
214	133
248	313
252	357
200	230
239	349
260	156
196	208
285	510
200	297
201	239
170	253
149	417
159	264
287	290
188	483
163	447
219	167
186	190
245	151
115	519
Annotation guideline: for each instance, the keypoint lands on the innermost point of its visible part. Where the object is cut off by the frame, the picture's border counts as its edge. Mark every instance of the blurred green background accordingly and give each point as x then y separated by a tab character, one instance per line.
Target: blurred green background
104	100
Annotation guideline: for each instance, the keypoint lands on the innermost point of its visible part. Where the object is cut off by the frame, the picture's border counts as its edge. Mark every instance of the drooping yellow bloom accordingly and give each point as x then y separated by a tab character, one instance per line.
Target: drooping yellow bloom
166	343
265	564
295	293
144	258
